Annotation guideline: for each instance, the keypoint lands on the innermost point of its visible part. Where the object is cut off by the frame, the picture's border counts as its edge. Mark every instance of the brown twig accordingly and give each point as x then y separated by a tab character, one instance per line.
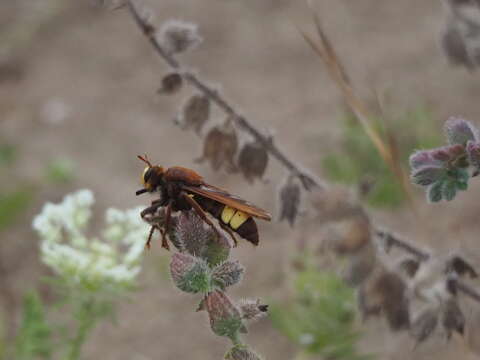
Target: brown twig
308	181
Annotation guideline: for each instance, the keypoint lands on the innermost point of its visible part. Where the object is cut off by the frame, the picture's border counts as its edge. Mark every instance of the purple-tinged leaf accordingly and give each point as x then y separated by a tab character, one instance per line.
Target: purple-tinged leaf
449	190
460	131
473	152
447	153
421	158
434	192
427	175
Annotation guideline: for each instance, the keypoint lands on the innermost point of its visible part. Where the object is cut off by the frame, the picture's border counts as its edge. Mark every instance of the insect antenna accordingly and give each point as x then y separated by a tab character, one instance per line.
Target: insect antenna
144	158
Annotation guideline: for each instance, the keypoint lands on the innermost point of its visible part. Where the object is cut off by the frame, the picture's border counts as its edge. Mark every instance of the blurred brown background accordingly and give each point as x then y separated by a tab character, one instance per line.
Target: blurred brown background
80	82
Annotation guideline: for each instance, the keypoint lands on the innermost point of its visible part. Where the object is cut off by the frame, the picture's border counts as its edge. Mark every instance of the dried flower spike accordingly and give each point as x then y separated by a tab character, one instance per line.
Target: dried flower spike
171	84
289	199
178	36
220	147
253	161
195	113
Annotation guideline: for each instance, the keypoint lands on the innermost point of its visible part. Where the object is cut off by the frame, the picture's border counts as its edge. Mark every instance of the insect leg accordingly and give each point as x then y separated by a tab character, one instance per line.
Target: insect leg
164	232
149	240
151	209
229	231
198	209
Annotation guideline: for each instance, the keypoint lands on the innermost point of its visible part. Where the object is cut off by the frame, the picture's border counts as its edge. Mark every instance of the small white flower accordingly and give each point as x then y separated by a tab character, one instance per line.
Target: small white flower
112	261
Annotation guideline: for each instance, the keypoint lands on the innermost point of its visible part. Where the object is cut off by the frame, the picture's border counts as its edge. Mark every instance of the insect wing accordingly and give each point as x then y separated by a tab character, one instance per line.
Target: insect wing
225	198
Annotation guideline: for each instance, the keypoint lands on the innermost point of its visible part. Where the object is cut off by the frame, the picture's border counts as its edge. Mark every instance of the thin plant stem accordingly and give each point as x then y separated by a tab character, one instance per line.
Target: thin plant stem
86	320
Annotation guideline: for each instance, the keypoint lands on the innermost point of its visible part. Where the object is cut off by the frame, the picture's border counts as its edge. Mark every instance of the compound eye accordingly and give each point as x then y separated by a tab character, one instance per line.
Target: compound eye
146	175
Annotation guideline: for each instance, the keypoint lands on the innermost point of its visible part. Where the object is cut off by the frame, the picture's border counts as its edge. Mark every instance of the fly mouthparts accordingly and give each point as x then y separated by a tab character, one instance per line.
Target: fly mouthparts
140	192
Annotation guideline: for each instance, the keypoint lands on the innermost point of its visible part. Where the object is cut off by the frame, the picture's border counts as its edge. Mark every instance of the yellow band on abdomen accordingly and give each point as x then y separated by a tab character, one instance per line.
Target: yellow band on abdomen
227	214
233	217
238	219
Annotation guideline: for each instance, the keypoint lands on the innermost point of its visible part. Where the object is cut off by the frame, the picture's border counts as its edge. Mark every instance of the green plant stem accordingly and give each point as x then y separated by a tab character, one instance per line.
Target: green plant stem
86	320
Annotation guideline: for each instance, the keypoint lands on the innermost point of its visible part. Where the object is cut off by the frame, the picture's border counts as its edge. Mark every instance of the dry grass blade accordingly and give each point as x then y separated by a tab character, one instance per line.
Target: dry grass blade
324	49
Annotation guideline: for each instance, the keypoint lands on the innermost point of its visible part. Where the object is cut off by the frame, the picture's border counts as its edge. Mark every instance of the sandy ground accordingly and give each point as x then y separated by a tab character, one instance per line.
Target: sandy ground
102	72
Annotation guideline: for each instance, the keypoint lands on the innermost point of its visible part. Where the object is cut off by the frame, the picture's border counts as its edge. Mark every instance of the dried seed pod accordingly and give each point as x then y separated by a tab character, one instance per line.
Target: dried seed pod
367	305
178	36
396	304
335	204
253	161
289	199
461	267
352	235
171	83
454	46
453	318
387	290
424	325
360	266
195	113
409	266
220	146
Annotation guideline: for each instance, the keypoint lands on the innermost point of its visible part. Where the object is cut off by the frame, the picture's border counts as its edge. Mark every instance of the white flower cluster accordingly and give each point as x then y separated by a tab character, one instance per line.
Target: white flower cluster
112	261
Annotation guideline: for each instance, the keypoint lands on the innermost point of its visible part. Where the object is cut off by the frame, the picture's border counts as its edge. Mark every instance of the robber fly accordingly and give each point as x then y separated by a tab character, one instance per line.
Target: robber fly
183	189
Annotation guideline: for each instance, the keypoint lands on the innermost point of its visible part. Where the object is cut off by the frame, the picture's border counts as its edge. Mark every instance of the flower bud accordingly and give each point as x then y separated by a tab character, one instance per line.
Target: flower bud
252	309
460	131
227	274
171	83
241	352
225	318
190	274
220	146
178	36
289	199
195	113
253	161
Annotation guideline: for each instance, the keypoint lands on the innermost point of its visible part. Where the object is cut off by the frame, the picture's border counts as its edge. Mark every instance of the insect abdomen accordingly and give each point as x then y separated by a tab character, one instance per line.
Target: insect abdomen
240	222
